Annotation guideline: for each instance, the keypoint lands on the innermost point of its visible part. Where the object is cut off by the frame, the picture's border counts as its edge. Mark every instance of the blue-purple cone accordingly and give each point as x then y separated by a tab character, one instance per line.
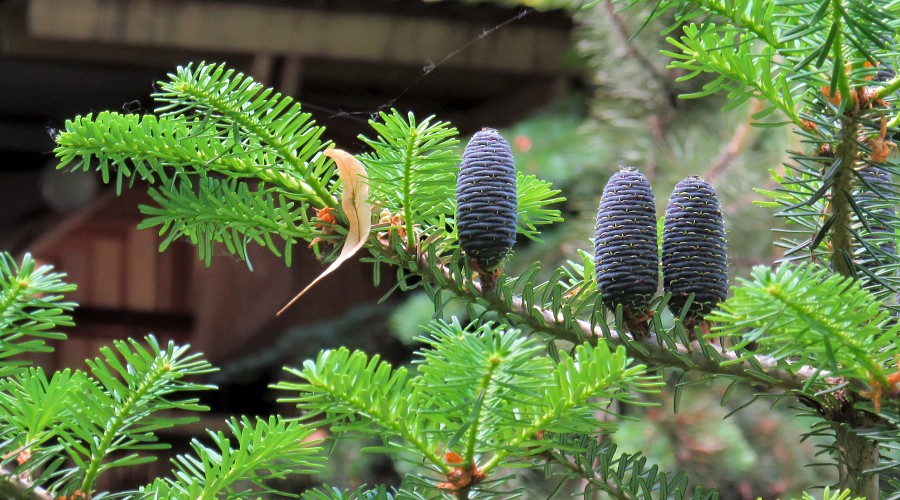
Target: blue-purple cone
694	256
486	199
626	258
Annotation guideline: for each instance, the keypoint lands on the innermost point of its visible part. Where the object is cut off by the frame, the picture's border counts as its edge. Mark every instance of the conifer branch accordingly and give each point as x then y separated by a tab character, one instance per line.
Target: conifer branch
609	374
31	308
626	476
253	451
703	358
388	403
272	120
132	382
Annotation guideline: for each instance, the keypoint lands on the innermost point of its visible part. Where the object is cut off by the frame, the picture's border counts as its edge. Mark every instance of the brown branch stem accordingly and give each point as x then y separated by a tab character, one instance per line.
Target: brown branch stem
20	488
858	455
686	357
841	234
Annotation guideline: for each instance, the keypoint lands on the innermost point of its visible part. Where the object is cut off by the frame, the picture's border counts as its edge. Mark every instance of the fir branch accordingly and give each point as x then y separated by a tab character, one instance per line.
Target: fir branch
740	71
118	412
226	211
156	149
814	33
827	28
834	207
478	378
754	17
263	118
31	308
622	475
484	392
411	169
356	392
264	449
215	120
579	384
499	395
805	315
33	407
563	322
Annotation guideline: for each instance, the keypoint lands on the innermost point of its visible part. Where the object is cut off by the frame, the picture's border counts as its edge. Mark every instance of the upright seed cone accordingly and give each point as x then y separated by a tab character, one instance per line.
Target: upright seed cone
694	256
486	200
626	259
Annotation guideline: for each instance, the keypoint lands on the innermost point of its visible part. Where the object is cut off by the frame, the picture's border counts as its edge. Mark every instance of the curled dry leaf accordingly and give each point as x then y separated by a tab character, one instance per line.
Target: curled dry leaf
356	207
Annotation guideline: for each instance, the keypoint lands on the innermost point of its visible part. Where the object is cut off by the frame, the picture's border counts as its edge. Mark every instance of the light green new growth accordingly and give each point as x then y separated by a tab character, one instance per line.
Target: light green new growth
227	211
63	432
116	413
805	315
31	308
262	449
411	170
255	123
486	395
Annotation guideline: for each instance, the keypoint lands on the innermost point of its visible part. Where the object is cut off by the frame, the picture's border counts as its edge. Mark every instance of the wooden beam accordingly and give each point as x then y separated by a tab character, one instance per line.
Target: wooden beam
179	324
512	106
16	42
246	27
290	80
262	68
24	136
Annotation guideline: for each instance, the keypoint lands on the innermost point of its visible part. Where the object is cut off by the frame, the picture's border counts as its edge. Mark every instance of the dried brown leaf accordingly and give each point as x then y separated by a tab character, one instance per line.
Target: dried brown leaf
356	207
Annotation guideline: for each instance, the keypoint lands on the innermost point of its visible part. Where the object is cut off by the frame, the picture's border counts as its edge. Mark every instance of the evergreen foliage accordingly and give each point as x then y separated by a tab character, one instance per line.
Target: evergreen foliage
805	315
483	398
524	386
32	306
266	449
411	170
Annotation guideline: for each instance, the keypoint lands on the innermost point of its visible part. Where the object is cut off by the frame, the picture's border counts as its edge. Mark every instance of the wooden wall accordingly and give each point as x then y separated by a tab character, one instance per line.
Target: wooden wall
127	288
